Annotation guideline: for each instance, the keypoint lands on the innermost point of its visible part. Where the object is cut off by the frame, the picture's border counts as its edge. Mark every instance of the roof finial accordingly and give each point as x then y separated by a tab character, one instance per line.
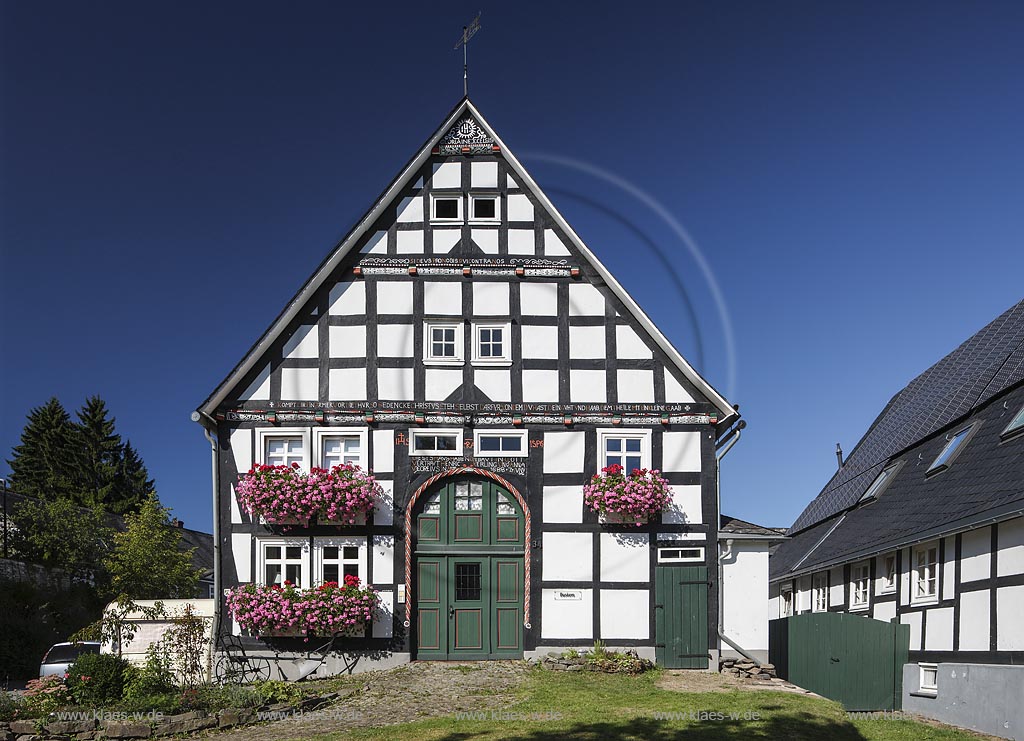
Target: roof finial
467	34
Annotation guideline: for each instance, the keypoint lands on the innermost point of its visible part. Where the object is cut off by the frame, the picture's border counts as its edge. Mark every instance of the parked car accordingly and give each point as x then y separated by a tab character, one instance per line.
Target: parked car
62	655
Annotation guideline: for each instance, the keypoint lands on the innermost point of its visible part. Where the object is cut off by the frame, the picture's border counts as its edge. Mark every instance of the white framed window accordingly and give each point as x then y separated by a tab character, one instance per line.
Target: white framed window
469	496
485	208
284	560
500	443
819	592
929	677
630	449
1016	425
925	582
446	208
436	442
955	444
336	558
786	595
337	445
283	446
887	578
443	344
860	585
680	555
492	344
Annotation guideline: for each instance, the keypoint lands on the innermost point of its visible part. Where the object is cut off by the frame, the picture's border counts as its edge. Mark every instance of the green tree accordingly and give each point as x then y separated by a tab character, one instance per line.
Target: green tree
60	534
133	482
97	455
146	562
41	465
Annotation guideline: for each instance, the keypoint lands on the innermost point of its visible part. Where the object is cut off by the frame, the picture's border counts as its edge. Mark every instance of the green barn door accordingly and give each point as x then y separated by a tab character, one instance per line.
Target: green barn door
681	616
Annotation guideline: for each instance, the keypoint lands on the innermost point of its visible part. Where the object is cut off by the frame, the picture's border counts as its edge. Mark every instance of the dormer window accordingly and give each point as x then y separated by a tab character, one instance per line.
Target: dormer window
446	208
951	450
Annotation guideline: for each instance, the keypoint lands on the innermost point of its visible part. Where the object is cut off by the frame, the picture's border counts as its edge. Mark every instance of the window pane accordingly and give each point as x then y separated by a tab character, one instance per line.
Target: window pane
351	553
614	444
331	572
951	446
331	553
512	443
632	463
433	505
632	445
445	442
490	443
293	552
613	460
273	574
446	208
424	442
467	581
293	573
351	569
483	208
273	551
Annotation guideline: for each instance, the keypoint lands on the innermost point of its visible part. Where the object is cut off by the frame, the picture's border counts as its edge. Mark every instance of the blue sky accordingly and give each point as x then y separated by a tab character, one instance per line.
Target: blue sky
852	173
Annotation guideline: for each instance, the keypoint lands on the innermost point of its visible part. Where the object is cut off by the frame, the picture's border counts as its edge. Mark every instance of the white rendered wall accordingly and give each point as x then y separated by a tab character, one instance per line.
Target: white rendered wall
745	595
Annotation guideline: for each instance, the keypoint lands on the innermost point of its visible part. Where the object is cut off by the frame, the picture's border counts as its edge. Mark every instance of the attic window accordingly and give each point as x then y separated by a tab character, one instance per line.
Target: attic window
446	208
882	481
952	449
1016	425
484	208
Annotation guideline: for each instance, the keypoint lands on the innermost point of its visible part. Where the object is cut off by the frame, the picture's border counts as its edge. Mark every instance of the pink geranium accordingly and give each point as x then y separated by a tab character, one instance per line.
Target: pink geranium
639	496
285	493
325	610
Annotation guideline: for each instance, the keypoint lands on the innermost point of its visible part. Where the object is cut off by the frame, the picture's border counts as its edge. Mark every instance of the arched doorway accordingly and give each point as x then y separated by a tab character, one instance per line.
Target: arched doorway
468	539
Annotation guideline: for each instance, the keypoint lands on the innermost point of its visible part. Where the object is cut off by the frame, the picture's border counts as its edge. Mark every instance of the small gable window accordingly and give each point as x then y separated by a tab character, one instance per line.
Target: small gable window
503	443
484	208
952	449
1016	425
443	343
446	208
492	344
436	442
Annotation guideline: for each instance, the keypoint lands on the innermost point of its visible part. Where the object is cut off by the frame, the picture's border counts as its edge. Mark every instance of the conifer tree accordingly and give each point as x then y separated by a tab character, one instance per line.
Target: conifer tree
97	455
41	464
133	483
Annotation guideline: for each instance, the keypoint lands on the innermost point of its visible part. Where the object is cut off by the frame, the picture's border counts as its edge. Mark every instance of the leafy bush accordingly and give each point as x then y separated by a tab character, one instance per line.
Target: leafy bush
155	678
217	697
275	691
43	696
168	703
96	680
11	707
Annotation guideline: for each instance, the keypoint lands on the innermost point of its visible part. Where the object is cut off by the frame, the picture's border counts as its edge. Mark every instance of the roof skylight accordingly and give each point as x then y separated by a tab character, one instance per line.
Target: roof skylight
944	458
881	481
1016	424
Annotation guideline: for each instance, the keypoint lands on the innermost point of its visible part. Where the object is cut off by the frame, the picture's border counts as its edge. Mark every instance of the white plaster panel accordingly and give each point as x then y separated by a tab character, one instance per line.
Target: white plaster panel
384	502
625	614
628	344
447	175
241	551
540	342
347	341
521	242
636	386
974	620
519	208
236	513
348	298
384	615
563	503
837	587
588	385
442	298
510	182
568	557
939	631
884	611
490	298
483	174
394	297
303	343
346	384
495	383
383	559
395	340
376	245
948	582
674	391
680	452
394	383
905	582
441	382
685	505
540	385
625	557
586	343
975	555
563	452
744	588
1009	625
445	239
486	240
409	242
241	449
301	384
383	451
539	299
259	388
410	210
913	619
553	246
1011	548
585	300
567	618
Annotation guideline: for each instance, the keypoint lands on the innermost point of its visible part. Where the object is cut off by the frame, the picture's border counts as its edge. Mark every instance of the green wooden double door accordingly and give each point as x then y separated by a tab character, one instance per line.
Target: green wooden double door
469	573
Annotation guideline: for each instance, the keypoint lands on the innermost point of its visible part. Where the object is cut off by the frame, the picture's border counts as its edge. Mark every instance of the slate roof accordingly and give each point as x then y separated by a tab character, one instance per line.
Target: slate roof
985	365
741	527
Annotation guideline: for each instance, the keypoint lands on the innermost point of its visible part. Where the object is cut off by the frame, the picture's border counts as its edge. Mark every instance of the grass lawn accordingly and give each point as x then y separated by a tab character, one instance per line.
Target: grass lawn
582	705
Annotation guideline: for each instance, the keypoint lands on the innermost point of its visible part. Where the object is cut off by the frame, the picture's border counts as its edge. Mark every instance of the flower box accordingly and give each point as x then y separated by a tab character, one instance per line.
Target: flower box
628	499
285	495
324	610
618	518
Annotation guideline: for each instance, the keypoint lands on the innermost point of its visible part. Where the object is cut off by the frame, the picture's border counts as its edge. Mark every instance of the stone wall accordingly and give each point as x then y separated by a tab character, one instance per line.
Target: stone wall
41	576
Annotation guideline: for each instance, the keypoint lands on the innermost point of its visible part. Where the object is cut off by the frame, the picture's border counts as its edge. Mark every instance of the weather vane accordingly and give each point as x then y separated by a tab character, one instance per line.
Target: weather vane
467	34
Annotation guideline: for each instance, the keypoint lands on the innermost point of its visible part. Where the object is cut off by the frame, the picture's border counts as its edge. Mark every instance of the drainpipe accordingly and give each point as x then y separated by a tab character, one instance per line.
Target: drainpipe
725	448
6	522
209	424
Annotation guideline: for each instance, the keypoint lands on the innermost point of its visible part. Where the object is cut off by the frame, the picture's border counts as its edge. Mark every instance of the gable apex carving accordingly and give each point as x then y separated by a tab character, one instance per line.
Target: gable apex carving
465	133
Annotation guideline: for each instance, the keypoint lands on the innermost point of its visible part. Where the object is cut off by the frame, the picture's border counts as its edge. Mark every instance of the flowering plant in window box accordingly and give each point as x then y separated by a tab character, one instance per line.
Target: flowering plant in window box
635	497
328	609
284	495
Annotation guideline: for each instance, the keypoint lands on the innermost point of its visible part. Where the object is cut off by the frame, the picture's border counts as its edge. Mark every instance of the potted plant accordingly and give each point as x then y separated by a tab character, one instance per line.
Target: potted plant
284	495
636	497
328	609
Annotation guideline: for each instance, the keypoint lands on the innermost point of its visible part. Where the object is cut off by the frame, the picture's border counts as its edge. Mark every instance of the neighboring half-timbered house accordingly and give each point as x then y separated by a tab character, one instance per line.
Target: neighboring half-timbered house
464	345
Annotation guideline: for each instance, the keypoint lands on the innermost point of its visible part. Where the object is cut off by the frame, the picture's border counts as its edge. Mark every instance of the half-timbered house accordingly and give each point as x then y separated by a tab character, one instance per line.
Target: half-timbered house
464	345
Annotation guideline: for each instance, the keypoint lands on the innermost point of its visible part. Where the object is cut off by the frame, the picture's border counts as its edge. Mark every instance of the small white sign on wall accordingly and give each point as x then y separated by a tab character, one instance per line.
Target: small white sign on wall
572	595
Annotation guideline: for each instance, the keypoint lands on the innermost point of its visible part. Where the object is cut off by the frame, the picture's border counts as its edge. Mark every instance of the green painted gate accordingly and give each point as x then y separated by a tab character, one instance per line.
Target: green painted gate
469	573
681	617
853	659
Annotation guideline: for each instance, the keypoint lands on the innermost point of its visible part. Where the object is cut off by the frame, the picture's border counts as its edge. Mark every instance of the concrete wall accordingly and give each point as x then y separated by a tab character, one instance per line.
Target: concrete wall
983	697
745	598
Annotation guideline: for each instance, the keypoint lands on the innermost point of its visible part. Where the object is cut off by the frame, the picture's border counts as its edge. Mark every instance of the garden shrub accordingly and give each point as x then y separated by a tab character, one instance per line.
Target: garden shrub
11	707
43	696
95	680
